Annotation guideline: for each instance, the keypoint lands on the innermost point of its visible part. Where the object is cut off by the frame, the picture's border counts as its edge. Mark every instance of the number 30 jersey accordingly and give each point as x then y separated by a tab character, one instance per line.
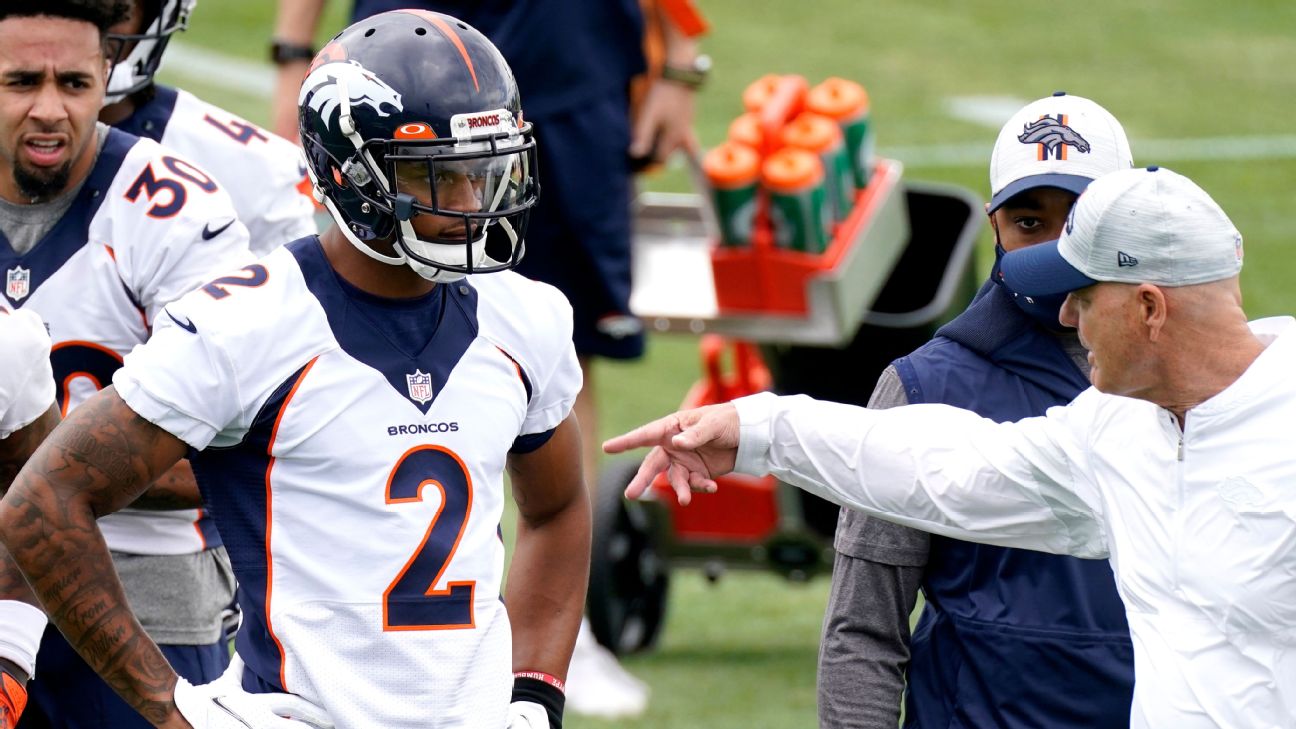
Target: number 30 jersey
146	227
357	479
264	174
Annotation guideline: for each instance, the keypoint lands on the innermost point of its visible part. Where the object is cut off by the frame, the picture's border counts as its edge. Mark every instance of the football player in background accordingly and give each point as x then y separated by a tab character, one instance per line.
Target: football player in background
100	230
349	405
262	172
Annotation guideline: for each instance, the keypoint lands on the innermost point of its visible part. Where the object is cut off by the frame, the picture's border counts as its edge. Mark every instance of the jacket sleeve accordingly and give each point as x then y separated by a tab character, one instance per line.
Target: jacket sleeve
933	467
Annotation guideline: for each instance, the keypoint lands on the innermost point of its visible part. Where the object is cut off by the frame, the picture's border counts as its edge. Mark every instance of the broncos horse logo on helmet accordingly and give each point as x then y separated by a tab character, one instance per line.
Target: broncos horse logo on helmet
330	86
1052	134
411	113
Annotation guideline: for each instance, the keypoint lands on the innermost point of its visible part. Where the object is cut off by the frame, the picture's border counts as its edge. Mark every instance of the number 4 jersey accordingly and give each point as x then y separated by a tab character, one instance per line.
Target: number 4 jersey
264	174
352	452
146	227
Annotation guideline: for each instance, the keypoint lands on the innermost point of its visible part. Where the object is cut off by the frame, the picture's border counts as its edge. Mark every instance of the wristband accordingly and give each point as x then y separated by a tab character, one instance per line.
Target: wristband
13	699
691	76
548	678
21	628
282	52
546	691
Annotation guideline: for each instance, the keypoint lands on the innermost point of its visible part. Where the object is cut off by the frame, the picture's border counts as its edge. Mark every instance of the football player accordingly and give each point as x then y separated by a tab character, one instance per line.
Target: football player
263	173
100	230
349	404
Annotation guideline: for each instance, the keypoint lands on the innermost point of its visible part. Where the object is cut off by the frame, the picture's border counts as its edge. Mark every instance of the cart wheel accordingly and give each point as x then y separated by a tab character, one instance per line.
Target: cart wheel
628	577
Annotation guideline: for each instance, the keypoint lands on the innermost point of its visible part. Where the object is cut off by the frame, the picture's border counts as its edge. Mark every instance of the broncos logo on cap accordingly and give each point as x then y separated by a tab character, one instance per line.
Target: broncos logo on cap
1053	136
323	88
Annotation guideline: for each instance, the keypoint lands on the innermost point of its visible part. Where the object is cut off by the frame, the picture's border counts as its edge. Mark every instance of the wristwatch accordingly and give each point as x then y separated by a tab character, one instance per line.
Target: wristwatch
692	75
282	52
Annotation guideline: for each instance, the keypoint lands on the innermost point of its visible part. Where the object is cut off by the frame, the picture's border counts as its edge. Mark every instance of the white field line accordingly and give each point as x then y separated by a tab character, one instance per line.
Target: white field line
221	70
257	79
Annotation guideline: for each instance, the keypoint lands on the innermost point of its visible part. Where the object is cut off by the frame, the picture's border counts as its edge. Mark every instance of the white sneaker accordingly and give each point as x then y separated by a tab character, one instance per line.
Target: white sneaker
597	685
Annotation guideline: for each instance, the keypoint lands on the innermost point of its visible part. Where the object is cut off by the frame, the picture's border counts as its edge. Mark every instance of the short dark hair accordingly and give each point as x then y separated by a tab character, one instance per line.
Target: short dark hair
102	14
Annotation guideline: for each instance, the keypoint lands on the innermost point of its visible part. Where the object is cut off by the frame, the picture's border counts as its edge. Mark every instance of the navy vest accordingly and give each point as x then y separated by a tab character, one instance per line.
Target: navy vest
1010	637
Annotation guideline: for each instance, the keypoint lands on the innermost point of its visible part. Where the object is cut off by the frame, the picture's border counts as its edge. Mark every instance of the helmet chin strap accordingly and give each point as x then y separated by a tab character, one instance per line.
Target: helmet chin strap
476	249
430	273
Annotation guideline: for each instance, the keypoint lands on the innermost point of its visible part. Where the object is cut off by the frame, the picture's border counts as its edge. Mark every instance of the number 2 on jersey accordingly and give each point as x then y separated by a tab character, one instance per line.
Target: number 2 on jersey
412	601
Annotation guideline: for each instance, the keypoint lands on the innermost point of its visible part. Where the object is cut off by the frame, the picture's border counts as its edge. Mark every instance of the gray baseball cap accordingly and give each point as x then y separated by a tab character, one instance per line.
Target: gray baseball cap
1148	225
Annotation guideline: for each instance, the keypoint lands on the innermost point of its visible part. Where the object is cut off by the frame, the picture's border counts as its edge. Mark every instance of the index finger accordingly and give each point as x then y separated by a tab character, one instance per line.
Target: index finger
658	432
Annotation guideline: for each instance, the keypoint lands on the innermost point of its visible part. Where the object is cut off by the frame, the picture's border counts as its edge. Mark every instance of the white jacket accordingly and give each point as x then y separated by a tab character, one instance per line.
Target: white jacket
1199	524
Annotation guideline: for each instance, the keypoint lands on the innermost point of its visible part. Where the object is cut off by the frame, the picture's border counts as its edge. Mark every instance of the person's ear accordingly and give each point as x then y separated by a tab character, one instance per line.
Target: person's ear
994	224
1153	309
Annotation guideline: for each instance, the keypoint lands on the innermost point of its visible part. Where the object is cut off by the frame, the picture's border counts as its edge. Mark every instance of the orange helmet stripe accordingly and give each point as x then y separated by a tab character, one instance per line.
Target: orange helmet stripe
453	37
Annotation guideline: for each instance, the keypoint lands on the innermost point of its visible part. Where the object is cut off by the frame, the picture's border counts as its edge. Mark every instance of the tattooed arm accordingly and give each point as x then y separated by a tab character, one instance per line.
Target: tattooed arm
18	447
14	452
97	461
175	489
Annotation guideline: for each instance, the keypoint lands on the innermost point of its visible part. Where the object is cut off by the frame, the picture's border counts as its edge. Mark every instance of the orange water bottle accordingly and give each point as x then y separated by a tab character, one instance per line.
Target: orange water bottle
761	90
821	135
848	103
733	169
746	129
799	214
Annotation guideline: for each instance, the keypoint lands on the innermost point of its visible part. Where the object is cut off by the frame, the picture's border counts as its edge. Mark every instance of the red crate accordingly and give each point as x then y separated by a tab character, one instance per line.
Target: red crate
745	508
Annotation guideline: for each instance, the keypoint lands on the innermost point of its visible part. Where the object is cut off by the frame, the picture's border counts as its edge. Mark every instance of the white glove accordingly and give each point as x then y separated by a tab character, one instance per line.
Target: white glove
223	704
527	715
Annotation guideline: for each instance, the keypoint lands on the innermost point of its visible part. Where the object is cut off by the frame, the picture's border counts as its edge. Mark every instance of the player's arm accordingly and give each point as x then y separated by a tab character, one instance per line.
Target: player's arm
175	489
295	24
877	571
546	582
21	622
97	461
18	447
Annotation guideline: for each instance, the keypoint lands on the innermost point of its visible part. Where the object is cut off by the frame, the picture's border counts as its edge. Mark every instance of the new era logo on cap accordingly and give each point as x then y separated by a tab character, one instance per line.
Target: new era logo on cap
1125	260
1059	141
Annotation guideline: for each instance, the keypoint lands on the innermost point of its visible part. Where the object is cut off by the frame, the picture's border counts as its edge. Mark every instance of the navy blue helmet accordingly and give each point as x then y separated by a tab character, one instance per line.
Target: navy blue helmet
411	113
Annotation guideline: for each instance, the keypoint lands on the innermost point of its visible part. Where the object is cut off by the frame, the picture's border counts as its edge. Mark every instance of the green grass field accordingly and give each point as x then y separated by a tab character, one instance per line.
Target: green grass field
1201	86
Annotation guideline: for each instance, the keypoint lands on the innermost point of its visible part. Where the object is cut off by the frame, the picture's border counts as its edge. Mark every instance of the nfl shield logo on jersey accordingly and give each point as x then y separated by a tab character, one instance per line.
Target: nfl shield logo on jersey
17	283
420	386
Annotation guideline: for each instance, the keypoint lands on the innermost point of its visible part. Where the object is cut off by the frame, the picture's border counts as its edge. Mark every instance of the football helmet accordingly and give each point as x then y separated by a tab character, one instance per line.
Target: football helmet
413	113
136	56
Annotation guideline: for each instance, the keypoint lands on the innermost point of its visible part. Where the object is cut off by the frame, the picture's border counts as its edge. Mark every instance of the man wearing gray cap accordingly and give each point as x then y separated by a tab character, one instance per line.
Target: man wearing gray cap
1172	466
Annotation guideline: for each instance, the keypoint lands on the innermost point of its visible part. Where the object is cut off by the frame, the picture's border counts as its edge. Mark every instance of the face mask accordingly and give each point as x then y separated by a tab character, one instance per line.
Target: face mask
1044	310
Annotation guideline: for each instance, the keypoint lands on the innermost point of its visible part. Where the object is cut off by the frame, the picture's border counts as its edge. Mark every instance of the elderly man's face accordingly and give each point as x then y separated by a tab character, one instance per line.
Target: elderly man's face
52	76
1106	315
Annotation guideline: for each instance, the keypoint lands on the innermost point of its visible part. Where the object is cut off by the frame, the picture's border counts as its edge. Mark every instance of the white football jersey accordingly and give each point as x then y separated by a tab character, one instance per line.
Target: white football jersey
357	479
26	383
146	227
264	174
